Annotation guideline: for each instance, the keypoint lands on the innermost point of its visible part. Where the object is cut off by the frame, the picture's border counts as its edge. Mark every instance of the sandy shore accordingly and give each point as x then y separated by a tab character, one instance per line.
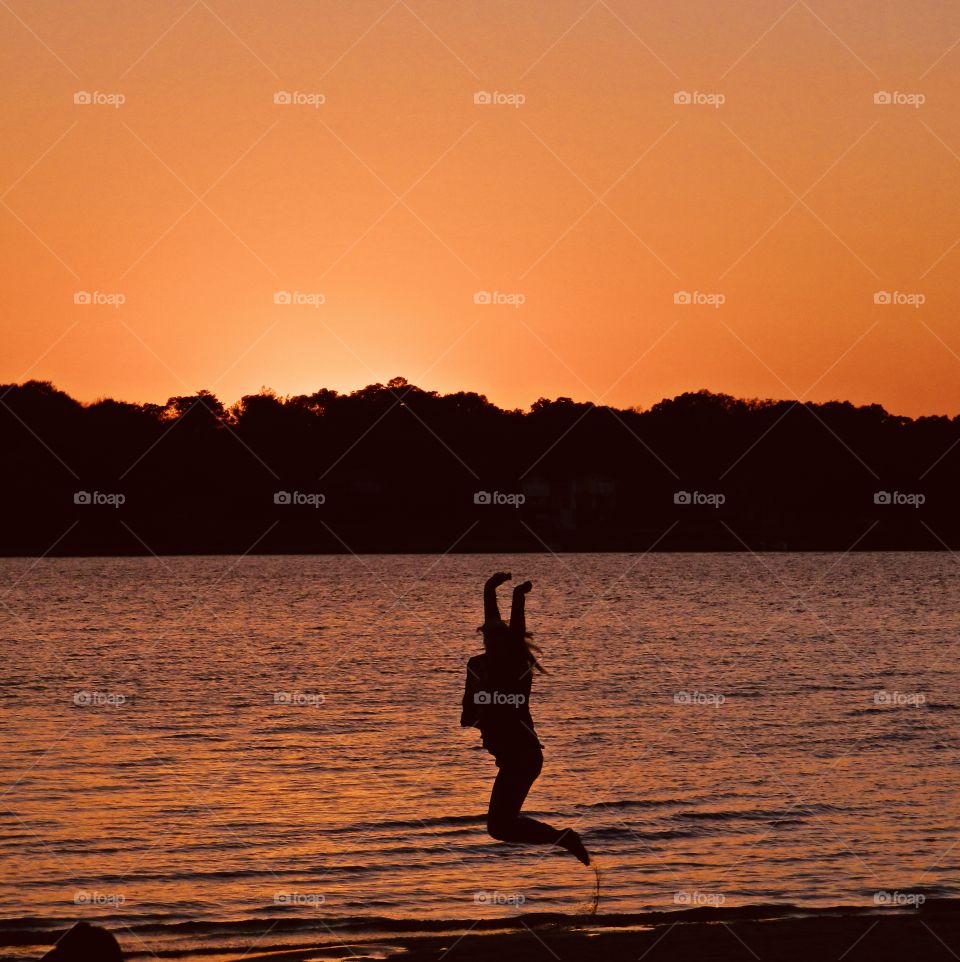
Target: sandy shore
778	933
932	933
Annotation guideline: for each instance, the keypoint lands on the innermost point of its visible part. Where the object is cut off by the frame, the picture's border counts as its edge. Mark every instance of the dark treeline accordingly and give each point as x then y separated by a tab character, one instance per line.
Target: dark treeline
396	468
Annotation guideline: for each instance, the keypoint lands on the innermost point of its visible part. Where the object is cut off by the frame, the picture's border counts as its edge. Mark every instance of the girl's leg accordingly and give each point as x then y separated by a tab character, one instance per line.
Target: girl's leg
504	821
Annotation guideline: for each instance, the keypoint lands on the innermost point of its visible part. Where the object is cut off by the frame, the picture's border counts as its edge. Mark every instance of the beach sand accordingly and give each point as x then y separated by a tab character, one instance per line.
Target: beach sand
850	935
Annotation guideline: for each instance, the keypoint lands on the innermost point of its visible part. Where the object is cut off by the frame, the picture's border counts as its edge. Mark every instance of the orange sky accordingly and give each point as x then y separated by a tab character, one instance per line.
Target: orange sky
398	198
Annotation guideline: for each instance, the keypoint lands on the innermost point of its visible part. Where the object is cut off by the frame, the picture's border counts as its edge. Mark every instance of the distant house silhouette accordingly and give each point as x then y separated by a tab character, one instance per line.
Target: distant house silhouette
570	504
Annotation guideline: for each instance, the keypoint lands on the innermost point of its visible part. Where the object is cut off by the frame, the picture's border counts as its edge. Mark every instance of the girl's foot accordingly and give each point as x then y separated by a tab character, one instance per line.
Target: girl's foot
571	841
524	588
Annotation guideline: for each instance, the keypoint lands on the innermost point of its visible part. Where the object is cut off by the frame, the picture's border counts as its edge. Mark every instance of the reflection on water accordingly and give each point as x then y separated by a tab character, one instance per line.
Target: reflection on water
213	739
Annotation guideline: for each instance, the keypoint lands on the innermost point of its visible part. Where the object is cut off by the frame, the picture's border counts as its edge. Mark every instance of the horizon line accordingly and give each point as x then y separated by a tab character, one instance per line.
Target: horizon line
393	385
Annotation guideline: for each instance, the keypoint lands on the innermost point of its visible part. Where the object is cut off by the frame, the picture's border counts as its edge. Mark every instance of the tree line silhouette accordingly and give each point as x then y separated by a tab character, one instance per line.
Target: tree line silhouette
394	468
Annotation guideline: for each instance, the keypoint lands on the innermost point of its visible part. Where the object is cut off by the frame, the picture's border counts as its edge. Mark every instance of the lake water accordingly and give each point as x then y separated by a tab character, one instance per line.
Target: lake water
269	747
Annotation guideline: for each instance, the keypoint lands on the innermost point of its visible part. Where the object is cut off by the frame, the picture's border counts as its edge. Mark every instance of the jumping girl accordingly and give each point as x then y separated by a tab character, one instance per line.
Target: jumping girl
497	701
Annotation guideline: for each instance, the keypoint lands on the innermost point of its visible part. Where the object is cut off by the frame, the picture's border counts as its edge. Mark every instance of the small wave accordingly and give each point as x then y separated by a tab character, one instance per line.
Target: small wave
410	823
731	815
793	813
641	834
194	736
657	802
631	803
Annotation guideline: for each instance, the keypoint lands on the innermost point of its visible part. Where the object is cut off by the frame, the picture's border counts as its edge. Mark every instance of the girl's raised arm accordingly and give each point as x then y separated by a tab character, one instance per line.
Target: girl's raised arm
491	611
518	617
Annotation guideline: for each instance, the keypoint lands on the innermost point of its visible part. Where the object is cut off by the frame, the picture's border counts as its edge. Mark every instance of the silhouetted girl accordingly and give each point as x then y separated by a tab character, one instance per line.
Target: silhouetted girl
497	701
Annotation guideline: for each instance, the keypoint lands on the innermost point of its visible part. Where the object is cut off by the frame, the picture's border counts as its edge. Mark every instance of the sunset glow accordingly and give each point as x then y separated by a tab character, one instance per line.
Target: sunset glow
583	189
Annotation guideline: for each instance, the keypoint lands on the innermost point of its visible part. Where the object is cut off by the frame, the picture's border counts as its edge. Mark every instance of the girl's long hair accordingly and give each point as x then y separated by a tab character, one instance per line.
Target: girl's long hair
509	648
